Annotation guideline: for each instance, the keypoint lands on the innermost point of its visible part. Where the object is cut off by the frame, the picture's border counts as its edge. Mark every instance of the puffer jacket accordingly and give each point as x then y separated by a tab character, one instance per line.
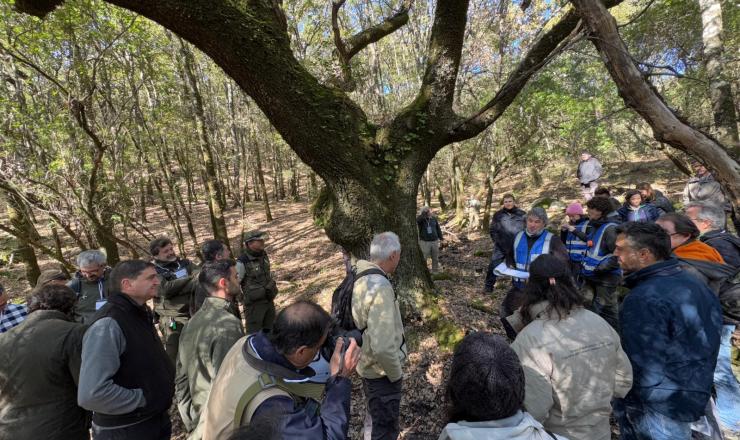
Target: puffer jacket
375	311
705	189
645	213
727	245
589	170
573	367
505	225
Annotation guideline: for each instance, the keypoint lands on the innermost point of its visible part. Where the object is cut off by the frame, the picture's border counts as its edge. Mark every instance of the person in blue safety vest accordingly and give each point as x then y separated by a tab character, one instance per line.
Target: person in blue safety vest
600	268
575	245
529	244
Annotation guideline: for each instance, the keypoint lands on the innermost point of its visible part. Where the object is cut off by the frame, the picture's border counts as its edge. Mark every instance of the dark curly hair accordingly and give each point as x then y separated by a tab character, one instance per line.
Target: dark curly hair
601	204
562	295
628	195
52	297
486	380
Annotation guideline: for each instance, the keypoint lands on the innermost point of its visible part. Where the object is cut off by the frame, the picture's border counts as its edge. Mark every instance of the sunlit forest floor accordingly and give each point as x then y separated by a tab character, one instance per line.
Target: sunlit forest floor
308	266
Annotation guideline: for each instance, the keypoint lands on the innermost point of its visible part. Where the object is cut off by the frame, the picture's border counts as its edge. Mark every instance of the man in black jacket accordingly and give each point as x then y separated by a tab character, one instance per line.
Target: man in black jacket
430	234
126	378
505	224
709	218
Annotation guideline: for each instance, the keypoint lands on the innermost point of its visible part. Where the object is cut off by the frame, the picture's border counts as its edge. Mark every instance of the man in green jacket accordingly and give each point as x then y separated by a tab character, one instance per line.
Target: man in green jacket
90	283
39	371
172	303
205	341
257	283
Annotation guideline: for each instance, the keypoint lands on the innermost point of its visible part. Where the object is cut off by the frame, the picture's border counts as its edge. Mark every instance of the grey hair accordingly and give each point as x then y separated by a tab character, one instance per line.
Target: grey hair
424	210
90	257
383	246
710	212
539	213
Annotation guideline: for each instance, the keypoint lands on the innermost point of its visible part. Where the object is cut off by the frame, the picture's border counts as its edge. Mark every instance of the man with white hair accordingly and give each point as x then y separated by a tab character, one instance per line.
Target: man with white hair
90	283
375	312
709	218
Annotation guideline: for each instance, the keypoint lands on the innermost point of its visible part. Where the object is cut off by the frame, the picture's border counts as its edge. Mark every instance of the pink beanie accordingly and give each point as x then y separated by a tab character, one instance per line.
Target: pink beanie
574	209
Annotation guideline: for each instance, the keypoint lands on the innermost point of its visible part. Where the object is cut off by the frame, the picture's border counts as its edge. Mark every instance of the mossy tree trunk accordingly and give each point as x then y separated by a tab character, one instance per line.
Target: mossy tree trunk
371	171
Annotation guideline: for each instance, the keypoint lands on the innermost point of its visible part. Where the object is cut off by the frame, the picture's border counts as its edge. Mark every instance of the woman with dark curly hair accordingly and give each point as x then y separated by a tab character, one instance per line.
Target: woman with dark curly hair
485	393
573	360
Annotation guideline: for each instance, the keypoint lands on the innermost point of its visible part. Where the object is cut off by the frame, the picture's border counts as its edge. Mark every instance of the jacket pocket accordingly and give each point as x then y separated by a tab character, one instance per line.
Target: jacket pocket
255	293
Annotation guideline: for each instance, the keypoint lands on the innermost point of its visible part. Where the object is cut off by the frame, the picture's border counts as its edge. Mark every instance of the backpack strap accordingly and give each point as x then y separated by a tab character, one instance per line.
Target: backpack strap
371	271
551	434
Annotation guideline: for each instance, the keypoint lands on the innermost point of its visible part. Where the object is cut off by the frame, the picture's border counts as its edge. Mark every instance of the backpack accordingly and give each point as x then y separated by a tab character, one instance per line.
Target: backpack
341	299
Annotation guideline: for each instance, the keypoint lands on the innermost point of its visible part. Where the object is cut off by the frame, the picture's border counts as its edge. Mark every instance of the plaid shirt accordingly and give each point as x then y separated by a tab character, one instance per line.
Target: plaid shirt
13	315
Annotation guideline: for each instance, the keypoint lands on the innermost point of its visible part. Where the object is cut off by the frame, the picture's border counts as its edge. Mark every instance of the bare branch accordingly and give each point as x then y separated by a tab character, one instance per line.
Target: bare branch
375	33
23	60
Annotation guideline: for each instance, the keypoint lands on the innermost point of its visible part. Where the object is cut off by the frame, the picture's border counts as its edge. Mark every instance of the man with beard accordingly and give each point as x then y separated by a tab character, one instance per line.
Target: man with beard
90	283
205	341
172	303
505	224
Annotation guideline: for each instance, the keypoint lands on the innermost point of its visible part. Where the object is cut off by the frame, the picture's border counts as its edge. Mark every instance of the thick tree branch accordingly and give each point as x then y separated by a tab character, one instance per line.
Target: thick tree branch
643	98
443	57
544	49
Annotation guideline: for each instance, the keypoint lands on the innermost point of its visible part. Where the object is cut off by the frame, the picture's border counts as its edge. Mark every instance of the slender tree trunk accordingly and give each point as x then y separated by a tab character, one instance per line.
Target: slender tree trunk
261	180
19	216
213	189
720	91
485	224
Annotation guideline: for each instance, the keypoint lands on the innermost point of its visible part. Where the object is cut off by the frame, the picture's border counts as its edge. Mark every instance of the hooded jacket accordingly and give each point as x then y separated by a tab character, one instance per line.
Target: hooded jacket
39	372
727	245
520	426
505	224
670	326
705	189
696	250
573	367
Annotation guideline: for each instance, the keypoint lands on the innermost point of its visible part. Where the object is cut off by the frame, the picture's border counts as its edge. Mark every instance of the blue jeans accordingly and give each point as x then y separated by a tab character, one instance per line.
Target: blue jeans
637	422
726	385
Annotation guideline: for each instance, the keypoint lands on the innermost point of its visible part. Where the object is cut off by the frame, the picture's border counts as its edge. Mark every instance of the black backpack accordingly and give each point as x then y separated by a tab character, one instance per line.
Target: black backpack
341	299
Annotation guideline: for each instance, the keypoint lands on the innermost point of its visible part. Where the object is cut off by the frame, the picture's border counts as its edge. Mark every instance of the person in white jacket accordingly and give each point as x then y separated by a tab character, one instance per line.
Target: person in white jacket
485	394
573	360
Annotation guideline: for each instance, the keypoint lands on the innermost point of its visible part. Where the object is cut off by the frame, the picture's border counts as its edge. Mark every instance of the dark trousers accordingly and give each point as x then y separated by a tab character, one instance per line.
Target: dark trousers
259	315
605	303
383	408
512	301
156	428
496	258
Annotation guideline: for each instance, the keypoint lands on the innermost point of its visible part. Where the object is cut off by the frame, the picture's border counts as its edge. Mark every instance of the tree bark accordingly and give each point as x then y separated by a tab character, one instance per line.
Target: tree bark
720	91
18	213
642	97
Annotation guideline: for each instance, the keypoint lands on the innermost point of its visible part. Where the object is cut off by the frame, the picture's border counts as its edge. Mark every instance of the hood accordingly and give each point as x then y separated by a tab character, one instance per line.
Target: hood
520	426
696	250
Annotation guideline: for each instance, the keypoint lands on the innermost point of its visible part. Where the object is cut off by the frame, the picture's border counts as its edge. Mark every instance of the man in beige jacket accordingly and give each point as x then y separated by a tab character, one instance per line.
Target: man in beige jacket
375	312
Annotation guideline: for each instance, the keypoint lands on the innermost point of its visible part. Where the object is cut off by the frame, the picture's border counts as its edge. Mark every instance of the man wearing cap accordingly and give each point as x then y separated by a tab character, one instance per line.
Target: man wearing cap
258	286
90	283
51	277
589	171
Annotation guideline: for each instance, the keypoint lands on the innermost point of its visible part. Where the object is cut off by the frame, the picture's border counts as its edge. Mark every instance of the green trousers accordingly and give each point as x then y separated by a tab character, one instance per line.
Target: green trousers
259	315
171	327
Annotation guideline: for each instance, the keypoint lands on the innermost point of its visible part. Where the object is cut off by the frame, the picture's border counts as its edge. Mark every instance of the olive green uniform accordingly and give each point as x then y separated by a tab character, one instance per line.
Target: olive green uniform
172	303
259	290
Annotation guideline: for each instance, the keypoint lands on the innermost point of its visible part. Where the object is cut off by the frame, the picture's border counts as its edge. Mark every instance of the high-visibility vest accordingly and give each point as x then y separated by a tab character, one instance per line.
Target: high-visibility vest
577	248
523	256
595	256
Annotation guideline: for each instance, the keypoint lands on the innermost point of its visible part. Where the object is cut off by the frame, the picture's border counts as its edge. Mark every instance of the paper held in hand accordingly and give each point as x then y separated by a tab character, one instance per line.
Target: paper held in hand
503	271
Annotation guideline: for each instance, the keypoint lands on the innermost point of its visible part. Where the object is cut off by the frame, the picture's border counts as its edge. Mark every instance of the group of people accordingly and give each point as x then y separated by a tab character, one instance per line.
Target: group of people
89	354
636	305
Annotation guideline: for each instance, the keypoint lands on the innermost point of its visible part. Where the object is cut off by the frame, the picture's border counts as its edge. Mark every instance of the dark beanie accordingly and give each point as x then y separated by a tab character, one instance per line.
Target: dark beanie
548	266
